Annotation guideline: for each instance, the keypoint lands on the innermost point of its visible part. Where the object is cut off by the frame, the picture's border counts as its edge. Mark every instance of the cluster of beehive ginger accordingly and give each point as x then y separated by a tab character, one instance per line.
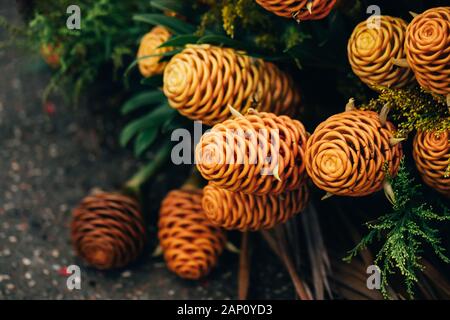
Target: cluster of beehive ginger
393	54
258	162
255	168
348	154
386	51
192	221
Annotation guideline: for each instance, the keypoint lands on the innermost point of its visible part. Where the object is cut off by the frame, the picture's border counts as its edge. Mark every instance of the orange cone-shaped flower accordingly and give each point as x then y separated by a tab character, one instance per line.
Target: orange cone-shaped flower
372	52
347	153
259	153
248	212
149	52
299	9
428	49
432	156
203	80
108	230
191	244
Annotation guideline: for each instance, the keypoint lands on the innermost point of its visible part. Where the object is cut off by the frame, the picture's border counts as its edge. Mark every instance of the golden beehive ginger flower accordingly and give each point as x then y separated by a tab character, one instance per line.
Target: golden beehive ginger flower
374	51
299	9
249	212
108	230
149	59
431	151
259	153
203	80
348	153
428	50
191	244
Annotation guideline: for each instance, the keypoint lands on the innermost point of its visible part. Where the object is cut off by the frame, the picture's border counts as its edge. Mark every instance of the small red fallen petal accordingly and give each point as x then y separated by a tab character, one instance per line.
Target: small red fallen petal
49	108
63	271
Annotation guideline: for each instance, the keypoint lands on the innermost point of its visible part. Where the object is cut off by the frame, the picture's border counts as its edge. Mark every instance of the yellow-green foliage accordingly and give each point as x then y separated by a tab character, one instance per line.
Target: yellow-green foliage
266	32
412	109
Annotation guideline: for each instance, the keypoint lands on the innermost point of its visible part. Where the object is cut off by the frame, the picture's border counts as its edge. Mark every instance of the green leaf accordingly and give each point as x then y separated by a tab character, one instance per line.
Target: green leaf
135	62
152	119
180	40
177	26
144	140
143	99
249	49
169	124
170	5
223	41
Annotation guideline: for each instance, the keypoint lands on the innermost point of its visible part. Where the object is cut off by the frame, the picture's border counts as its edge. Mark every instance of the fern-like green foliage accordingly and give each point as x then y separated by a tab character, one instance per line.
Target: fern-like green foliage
108	37
404	232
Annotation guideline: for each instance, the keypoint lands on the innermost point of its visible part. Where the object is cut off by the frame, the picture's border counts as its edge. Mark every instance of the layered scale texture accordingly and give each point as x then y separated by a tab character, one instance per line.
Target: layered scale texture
428	49
259	153
432	156
371	51
203	80
348	154
149	53
248	212
191	244
299	9
108	230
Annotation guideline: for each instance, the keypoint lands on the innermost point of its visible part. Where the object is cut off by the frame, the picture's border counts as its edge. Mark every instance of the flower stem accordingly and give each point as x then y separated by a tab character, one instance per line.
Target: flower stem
134	184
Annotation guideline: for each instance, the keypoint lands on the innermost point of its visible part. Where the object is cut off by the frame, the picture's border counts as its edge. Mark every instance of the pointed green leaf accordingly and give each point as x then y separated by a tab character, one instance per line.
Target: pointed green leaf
135	62
180	40
144	140
170	5
224	41
143	99
153	119
177	26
